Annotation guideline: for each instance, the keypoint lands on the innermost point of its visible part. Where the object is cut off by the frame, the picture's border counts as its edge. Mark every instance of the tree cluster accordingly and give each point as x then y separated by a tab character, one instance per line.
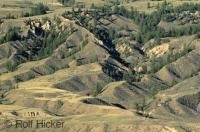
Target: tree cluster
67	2
12	34
148	23
39	9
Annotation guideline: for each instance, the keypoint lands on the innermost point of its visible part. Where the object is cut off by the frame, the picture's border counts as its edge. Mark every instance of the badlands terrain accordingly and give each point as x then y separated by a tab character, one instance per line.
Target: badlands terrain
100	65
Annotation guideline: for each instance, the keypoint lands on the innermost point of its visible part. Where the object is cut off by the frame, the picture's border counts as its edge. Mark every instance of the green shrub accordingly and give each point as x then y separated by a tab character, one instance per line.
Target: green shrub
9	16
67	2
142	105
25	14
39	9
198	35
11	66
96	90
51	41
12	34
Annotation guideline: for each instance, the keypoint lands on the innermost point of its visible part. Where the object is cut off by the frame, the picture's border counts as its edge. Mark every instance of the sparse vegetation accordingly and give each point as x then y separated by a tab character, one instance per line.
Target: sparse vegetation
168	58
141	108
67	2
198	35
96	90
12	34
51	41
11	66
149	23
39	9
190	101
9	16
129	76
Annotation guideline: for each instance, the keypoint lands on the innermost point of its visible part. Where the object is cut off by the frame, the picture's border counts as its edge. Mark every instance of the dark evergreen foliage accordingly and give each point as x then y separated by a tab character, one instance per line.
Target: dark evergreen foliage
39	9
67	2
148	23
12	34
